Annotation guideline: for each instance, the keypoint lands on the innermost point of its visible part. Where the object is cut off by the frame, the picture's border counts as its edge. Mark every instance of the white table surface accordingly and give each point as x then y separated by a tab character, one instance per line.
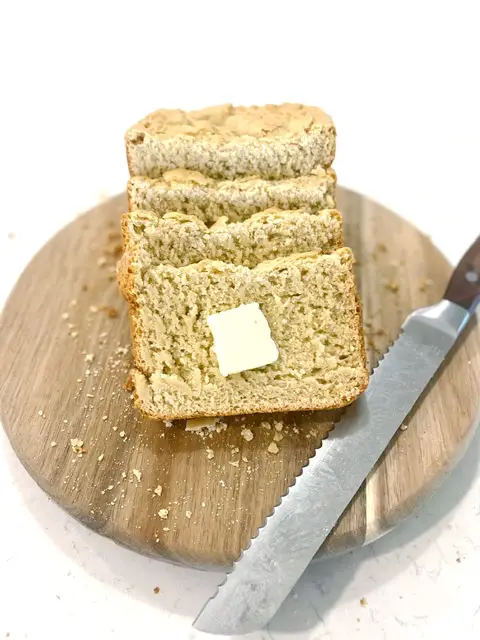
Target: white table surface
401	80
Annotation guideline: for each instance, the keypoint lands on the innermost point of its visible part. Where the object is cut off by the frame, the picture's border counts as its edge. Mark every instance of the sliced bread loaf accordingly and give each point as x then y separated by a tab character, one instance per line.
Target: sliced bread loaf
272	141
180	239
209	199
311	307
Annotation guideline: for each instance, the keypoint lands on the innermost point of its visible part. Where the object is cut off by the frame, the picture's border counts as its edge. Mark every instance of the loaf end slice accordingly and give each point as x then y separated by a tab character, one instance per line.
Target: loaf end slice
271	141
311	306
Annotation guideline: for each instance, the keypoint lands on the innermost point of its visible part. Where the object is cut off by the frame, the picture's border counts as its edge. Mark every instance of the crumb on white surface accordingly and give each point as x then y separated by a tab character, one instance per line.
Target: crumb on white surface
163	513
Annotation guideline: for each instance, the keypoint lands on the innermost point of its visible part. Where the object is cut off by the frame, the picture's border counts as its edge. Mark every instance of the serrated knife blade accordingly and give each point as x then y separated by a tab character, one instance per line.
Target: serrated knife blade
268	569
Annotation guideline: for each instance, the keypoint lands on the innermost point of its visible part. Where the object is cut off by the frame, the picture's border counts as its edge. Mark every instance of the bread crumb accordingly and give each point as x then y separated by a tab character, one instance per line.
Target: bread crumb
110	311
188	514
89	357
278	425
363	602
101	457
93	308
65	316
156	590
158	490
124	475
163	513
137	474
247	434
168	424
235	463
266	425
278	437
424	284
104	418
272	448
210	454
122	434
77	446
403	427
244	459
392	286
53	443
41	414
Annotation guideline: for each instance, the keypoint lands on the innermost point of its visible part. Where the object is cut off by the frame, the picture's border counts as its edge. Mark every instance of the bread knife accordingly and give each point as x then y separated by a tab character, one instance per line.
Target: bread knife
275	559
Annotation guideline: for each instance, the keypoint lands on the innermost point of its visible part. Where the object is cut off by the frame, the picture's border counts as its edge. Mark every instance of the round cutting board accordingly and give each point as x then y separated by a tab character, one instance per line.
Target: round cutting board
197	497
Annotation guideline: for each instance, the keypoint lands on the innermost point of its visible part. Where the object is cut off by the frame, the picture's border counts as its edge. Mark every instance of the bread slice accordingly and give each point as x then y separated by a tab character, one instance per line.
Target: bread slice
272	141
180	239
310	303
209	199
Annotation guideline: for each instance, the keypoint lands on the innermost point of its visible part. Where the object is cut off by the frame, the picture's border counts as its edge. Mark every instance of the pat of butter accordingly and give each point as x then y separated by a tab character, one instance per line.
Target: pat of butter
242	339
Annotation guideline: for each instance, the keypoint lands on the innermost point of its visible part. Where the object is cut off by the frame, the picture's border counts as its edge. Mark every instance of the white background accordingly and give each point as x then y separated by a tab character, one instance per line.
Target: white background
401	80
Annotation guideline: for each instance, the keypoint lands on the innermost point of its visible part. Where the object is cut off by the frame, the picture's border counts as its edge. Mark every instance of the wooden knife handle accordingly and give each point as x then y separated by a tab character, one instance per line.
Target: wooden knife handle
464	285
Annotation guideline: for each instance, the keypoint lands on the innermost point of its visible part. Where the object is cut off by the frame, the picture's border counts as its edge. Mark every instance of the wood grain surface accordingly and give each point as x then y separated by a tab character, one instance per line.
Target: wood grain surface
64	349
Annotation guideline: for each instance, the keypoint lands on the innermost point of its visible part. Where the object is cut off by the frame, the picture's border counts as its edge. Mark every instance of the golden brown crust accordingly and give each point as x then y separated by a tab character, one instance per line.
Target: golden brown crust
226	122
125	278
278	408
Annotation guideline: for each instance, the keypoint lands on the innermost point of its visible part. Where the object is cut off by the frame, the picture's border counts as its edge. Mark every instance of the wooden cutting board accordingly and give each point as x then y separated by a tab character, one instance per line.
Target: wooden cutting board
64	351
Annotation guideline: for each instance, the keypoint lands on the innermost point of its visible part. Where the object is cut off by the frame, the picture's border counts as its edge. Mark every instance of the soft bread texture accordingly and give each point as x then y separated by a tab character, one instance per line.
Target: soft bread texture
271	141
209	199
180	239
311	306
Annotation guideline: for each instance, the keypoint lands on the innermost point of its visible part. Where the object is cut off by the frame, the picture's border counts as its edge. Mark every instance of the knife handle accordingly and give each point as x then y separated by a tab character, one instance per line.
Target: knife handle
464	286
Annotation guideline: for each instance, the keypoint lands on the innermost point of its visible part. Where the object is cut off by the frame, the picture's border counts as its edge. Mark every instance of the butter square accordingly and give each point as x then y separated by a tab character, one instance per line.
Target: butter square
242	339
